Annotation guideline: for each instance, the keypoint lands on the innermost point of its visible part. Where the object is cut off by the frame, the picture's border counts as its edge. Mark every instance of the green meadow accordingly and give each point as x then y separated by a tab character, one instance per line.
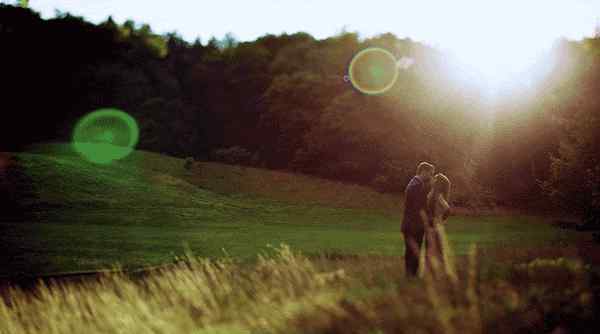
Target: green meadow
147	209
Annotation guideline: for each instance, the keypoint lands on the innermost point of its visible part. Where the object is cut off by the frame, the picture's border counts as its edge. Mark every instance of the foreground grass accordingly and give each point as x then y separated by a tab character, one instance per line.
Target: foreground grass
290	293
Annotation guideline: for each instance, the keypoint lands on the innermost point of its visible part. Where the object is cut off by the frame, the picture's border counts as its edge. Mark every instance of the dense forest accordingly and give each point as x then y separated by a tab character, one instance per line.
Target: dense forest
281	102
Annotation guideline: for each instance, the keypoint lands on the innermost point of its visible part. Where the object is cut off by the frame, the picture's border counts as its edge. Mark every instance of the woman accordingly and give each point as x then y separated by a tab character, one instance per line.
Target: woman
438	210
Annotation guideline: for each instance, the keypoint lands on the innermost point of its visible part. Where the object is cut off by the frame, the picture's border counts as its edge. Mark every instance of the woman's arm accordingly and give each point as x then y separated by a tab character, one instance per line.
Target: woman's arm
445	207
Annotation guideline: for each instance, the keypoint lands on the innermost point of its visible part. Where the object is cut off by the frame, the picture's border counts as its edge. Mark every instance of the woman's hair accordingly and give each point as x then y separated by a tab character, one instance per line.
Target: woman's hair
441	185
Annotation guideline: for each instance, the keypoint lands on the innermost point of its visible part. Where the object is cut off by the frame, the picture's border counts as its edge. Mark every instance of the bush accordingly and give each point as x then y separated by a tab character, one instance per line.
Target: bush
255	160
574	186
393	177
233	155
476	197
389	183
188	163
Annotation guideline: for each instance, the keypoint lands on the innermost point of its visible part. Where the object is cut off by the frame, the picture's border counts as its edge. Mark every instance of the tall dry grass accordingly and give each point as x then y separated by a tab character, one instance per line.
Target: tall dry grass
191	296
290	293
543	290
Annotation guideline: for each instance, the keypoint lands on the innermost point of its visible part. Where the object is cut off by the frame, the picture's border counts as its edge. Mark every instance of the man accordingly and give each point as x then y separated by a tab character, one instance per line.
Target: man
415	217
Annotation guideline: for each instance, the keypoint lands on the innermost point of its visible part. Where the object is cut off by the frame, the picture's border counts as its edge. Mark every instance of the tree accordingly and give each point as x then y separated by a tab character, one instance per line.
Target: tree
574	181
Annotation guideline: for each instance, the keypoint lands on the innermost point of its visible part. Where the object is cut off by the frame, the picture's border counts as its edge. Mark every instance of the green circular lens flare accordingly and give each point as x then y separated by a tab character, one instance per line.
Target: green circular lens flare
105	135
373	71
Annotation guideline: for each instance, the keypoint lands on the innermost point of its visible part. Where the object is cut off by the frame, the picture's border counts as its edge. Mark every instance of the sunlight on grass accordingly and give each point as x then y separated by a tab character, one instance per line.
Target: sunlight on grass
289	293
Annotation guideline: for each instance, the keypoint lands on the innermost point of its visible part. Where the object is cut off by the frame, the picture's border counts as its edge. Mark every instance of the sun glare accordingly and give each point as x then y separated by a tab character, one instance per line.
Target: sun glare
505	44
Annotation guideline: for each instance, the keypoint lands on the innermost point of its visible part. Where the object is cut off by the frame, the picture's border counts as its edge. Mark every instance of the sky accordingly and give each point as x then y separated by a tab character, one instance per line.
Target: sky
430	21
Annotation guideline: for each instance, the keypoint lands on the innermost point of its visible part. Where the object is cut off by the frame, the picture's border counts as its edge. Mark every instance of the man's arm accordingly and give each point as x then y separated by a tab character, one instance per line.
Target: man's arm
424	218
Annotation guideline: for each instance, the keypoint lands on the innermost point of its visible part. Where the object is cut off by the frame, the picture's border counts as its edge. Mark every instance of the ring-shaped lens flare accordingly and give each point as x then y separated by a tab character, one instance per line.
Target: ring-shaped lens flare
373	71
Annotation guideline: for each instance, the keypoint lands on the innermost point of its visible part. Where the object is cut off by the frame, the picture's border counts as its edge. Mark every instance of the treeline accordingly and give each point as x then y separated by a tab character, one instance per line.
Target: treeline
282	102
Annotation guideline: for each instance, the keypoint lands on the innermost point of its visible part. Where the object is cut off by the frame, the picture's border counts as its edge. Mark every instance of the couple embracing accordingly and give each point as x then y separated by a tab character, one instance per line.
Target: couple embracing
426	211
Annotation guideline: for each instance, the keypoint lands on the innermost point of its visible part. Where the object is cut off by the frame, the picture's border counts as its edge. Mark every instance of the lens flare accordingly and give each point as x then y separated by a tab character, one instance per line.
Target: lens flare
405	63
105	135
373	71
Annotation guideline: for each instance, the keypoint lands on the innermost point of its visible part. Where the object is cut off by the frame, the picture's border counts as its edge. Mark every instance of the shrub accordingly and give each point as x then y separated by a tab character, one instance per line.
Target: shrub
393	177
388	183
476	197
188	163
233	155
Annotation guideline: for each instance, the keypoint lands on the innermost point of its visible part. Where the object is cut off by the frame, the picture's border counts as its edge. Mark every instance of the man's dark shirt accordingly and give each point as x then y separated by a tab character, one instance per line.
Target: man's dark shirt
415	200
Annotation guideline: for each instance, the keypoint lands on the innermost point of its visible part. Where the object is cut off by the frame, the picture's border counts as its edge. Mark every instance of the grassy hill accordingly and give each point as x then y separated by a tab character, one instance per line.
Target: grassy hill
220	178
143	209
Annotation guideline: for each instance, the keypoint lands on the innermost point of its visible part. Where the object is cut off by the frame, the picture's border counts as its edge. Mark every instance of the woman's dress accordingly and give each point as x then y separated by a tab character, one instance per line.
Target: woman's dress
435	245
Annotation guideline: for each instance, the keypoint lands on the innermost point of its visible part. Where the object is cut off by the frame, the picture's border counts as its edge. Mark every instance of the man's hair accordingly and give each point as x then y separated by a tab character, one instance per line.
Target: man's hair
425	166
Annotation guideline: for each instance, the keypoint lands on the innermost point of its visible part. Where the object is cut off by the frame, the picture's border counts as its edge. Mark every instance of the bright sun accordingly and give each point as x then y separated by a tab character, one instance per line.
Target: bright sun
504	43
502	64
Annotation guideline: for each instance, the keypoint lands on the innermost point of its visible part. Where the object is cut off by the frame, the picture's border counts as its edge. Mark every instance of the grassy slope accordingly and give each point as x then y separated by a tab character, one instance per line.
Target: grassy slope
143	209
